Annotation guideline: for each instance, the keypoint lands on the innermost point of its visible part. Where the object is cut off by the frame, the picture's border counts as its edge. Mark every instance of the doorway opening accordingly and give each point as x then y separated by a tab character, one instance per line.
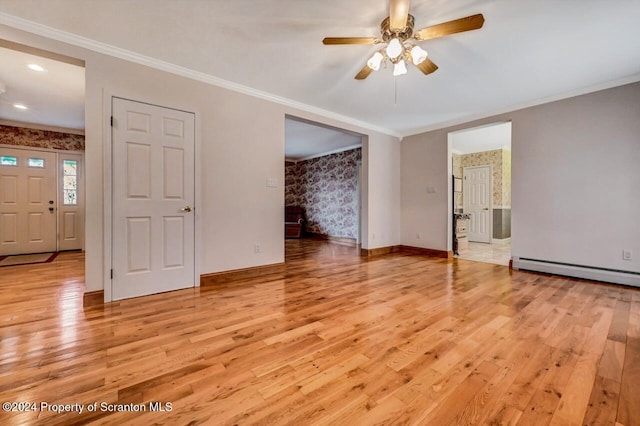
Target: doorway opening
480	161
323	174
42	97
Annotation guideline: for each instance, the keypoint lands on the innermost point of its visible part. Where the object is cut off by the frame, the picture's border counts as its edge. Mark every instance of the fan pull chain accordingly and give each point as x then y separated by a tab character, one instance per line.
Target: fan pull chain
395	90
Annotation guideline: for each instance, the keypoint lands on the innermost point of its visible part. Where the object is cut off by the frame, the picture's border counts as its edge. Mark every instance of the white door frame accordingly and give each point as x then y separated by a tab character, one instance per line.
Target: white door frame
58	152
490	198
108	187
359	197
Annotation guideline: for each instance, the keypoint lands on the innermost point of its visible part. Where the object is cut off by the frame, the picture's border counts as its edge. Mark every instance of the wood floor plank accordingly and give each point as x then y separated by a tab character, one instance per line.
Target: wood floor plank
573	403
603	404
335	339
628	405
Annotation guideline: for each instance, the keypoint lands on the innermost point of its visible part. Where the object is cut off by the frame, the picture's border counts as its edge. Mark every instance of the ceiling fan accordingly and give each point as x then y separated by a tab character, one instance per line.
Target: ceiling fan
397	32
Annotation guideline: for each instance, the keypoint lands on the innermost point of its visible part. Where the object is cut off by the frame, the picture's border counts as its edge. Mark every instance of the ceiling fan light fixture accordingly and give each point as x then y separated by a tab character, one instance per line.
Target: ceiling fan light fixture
374	61
399	68
399	40
394	49
418	55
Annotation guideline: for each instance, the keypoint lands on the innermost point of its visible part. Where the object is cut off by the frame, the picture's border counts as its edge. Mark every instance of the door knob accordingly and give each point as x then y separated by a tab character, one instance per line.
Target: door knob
50	201
486	208
186	209
51	209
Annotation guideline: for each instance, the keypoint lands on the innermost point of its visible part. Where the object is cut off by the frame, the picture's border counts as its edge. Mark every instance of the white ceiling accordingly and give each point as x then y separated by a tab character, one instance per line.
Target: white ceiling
528	50
486	138
305	140
53	98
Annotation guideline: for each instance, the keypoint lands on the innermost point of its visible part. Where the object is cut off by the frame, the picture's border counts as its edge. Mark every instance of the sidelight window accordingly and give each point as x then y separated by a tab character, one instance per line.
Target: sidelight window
70	182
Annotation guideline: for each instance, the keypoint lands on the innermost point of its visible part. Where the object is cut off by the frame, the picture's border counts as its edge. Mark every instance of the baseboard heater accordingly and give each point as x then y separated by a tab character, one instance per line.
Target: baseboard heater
579	271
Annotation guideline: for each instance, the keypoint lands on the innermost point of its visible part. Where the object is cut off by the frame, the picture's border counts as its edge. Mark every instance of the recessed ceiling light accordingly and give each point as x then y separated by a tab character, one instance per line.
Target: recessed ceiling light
36	67
19	106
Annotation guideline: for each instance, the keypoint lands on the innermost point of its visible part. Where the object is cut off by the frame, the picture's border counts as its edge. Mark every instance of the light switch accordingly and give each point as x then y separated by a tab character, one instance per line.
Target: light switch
272	182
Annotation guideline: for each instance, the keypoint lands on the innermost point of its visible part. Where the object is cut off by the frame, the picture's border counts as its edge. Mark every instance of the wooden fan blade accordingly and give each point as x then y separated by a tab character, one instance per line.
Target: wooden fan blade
469	23
427	67
350	40
398	13
364	73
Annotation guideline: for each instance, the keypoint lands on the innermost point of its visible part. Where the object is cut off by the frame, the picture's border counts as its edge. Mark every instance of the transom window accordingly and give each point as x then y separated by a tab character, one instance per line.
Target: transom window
36	162
70	182
8	161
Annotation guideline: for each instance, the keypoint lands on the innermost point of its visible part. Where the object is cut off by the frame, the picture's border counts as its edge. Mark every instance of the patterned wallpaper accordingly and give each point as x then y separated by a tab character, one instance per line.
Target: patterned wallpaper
327	188
500	162
20	136
506	178
457	172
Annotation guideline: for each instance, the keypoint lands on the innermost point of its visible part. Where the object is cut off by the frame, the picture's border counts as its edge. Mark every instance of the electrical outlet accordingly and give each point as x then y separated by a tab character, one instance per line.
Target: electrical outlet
418	236
627	254
373	236
256	248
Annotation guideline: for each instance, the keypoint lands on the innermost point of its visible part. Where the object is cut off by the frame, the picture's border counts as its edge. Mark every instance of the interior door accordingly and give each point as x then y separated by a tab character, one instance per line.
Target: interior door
476	190
27	201
153	199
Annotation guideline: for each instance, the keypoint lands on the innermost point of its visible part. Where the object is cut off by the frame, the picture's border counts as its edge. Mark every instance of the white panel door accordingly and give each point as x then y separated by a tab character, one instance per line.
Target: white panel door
153	199
71	205
27	201
477	202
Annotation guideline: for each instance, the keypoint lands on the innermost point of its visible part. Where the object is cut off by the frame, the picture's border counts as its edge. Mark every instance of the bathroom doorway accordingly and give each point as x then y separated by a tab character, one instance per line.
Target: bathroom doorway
481	208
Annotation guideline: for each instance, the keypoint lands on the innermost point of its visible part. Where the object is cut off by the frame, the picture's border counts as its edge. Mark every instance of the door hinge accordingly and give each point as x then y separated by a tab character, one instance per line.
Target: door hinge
112	274
112	121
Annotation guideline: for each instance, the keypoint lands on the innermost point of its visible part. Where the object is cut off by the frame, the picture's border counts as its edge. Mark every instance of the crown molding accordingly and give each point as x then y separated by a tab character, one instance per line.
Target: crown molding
127	55
566	95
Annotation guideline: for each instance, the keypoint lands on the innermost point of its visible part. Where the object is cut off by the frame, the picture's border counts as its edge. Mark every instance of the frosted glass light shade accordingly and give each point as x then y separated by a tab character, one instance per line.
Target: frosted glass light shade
400	68
418	55
374	61
36	67
394	49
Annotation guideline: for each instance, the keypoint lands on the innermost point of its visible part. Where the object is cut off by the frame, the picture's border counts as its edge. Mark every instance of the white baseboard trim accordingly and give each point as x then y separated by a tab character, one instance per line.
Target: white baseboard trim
586	272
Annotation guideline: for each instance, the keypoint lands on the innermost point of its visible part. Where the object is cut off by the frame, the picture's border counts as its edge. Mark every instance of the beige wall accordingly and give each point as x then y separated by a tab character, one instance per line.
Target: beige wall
425	163
241	144
574	178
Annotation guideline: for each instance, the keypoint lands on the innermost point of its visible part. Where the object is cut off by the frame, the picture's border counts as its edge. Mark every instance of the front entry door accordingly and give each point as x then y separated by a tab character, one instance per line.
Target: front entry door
27	201
476	196
153	199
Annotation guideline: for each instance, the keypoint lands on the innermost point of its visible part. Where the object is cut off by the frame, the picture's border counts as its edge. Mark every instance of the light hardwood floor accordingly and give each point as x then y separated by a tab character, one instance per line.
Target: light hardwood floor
337	339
